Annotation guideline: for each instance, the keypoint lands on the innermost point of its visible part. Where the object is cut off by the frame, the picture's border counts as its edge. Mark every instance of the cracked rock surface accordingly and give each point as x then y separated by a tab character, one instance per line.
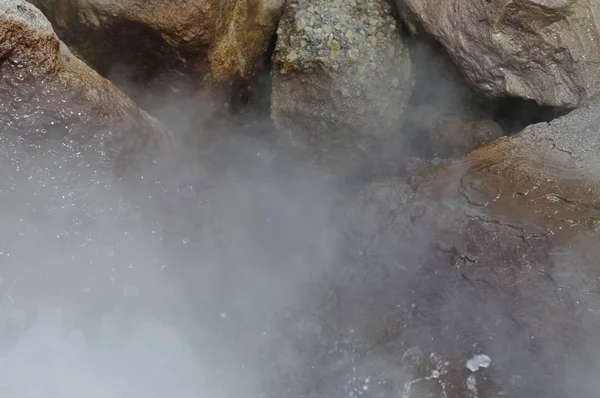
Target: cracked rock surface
456	261
341	78
547	51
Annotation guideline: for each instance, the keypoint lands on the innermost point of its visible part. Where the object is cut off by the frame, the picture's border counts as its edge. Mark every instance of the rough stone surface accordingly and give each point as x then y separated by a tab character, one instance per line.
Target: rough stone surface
498	247
163	39
440	133
453	136
547	51
243	41
47	93
341	77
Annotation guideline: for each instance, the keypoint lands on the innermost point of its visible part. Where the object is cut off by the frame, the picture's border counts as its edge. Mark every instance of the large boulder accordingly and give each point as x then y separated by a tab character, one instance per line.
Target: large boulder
168	41
341	77
547	51
49	94
471	279
66	133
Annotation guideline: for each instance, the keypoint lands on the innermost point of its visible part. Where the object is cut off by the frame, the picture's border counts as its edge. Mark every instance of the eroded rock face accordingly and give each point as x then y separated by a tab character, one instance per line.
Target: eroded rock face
160	40
244	38
341	77
493	254
545	51
47	93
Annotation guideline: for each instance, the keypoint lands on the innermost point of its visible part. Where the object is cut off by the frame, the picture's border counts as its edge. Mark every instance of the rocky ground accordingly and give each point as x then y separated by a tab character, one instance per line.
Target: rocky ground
364	223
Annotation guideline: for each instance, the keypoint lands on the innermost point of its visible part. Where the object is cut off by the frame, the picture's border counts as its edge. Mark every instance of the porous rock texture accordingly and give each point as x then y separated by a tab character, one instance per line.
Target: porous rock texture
543	50
341	77
500	246
49	94
162	41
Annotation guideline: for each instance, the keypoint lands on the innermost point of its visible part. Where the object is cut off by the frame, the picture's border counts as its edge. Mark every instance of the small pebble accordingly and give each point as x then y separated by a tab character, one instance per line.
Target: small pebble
478	361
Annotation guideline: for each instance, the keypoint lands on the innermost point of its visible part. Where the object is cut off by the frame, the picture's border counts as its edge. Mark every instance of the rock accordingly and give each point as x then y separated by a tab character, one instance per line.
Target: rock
454	136
478	362
168	41
493	253
444	134
242	43
545	51
49	94
341	77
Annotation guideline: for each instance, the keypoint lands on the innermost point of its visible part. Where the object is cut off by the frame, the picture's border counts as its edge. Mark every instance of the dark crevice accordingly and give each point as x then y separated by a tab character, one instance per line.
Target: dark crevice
441	87
514	114
134	53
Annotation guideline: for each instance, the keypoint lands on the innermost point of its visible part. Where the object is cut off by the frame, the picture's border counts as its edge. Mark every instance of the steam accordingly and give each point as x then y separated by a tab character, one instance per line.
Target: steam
51	361
219	275
164	286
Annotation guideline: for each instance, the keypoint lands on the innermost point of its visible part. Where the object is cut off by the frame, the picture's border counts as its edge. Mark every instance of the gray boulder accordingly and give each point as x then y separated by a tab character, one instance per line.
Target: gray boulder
547	51
341	77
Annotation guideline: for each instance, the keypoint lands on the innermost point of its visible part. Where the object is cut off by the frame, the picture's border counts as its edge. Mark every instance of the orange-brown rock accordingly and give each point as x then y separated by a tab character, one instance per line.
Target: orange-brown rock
167	39
47	93
493	254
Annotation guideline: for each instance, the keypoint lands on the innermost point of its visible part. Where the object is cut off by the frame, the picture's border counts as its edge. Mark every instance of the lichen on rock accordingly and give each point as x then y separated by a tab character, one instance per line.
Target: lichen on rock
341	77
244	38
159	39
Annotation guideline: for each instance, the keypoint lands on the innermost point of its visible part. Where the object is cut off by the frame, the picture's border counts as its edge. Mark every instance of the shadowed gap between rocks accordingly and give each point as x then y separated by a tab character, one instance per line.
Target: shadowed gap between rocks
442	96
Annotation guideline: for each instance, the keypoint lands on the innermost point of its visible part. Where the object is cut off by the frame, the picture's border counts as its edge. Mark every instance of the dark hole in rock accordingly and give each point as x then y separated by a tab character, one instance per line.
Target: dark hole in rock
441	91
514	114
